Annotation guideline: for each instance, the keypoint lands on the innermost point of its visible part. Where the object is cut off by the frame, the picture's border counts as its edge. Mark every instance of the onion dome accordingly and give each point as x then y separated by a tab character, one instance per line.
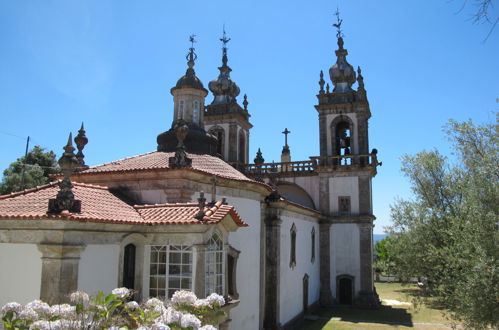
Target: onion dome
190	80
342	73
223	88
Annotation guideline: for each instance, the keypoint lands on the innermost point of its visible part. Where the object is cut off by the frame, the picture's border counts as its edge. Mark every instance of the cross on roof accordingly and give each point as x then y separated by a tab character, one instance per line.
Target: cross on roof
286	132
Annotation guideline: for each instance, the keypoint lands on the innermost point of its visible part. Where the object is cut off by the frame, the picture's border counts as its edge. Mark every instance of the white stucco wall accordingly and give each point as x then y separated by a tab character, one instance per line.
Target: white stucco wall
345	257
247	240
355	144
98	268
344	186
20	274
291	279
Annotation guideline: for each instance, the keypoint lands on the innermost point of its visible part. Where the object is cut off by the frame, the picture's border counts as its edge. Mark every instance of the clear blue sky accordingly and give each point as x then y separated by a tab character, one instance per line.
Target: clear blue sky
111	64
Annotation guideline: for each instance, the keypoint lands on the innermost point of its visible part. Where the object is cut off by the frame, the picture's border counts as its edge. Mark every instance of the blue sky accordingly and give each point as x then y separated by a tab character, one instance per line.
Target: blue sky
111	64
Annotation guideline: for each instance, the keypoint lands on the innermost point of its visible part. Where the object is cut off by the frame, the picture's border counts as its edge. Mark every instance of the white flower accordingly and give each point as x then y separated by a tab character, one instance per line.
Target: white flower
121	292
189	320
132	305
201	303
80	297
39	306
151	303
46	325
216	298
183	297
208	327
28	314
12	306
160	326
172	316
116	328
64	310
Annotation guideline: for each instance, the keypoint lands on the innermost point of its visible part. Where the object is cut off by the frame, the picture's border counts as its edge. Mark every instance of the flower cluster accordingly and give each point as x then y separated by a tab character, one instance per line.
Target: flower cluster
115	312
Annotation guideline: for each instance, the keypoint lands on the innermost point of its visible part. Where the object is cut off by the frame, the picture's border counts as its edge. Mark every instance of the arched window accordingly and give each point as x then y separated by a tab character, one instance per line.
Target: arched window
129	267
292	258
219	133
242	147
180	110
214	266
195	112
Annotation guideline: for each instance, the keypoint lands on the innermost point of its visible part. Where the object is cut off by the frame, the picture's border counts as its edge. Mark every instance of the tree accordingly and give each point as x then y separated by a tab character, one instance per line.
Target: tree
39	165
448	233
383	257
483	14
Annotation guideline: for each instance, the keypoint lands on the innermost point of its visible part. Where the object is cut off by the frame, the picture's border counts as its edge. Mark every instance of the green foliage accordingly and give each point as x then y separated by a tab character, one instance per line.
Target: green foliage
448	234
383	257
39	165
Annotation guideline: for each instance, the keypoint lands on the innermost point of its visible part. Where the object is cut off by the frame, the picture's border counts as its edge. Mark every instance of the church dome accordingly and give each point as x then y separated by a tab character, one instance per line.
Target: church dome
189	80
342	73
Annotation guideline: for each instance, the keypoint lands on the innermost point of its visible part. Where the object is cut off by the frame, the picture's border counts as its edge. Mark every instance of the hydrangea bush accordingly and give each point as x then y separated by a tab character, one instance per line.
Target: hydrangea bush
116	311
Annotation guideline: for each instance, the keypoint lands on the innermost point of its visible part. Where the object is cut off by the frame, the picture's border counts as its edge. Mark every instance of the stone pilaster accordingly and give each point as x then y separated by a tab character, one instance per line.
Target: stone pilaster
323	134
364	195
232	142
324	206
272	261
59	271
367	296
326	298
199	283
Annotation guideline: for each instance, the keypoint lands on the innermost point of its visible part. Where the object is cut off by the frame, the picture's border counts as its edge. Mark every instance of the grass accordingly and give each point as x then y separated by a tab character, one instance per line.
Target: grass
416	316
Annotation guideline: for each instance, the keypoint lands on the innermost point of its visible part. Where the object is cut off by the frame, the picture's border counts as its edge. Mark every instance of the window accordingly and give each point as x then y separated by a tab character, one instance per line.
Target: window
218	132
214	268
170	270
344	205
312	234
129	266
195	112
292	259
180	110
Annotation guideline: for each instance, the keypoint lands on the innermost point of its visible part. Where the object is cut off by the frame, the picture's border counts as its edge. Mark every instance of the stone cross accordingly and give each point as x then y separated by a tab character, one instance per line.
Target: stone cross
286	132
213	189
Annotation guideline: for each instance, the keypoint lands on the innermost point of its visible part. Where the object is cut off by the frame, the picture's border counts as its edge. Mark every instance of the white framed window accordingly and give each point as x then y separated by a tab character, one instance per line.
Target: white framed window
312	239
195	112
292	250
170	270
180	110
214	267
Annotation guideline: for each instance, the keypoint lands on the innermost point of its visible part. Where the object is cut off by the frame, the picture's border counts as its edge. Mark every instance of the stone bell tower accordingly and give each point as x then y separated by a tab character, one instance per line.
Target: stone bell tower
225	118
346	169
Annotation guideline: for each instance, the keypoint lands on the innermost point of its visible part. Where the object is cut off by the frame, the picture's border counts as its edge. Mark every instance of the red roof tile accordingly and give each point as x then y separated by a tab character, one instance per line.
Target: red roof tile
159	160
100	205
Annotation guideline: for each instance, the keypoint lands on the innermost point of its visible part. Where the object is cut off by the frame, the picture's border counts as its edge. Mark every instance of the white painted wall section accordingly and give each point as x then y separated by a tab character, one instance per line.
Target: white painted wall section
291	279
345	255
98	268
20	274
344	186
247	240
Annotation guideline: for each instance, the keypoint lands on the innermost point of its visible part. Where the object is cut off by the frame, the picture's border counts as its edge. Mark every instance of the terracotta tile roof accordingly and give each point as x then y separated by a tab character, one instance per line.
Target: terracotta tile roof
186	213
100	205
159	160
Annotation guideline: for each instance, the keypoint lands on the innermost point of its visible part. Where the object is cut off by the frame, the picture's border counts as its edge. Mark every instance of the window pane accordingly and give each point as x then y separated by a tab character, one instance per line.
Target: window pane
174	270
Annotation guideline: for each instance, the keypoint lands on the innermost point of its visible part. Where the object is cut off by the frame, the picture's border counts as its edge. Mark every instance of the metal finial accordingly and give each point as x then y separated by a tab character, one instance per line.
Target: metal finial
191	57
337	25
321	83
225	41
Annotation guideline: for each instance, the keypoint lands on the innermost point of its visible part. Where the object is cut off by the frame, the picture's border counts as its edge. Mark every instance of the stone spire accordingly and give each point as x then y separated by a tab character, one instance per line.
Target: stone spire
65	200
81	141
361	91
223	88
342	74
190	80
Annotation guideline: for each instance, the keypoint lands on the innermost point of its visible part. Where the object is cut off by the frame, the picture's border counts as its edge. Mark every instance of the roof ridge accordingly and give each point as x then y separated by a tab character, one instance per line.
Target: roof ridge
150	206
27	191
122	159
89	185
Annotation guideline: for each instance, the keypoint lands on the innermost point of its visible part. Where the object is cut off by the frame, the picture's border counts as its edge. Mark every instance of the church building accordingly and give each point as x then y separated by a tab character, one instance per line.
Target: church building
276	239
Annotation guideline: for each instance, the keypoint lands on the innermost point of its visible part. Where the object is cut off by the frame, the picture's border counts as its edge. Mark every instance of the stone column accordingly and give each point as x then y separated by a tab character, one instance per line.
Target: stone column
59	271
232	142
199	279
367	297
323	134
272	263
326	298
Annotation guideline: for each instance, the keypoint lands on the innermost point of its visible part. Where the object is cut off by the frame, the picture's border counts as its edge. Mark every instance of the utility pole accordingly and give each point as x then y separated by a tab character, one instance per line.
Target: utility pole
24	164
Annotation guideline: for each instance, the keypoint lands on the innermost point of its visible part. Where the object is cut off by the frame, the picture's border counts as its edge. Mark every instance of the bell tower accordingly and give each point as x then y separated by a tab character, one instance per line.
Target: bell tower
225	118
345	169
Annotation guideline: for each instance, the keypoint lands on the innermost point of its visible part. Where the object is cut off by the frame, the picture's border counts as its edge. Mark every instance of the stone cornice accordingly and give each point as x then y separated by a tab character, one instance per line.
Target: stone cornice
358	219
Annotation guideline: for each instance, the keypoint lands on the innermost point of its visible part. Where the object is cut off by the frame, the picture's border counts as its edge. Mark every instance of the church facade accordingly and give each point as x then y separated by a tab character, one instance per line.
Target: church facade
285	238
